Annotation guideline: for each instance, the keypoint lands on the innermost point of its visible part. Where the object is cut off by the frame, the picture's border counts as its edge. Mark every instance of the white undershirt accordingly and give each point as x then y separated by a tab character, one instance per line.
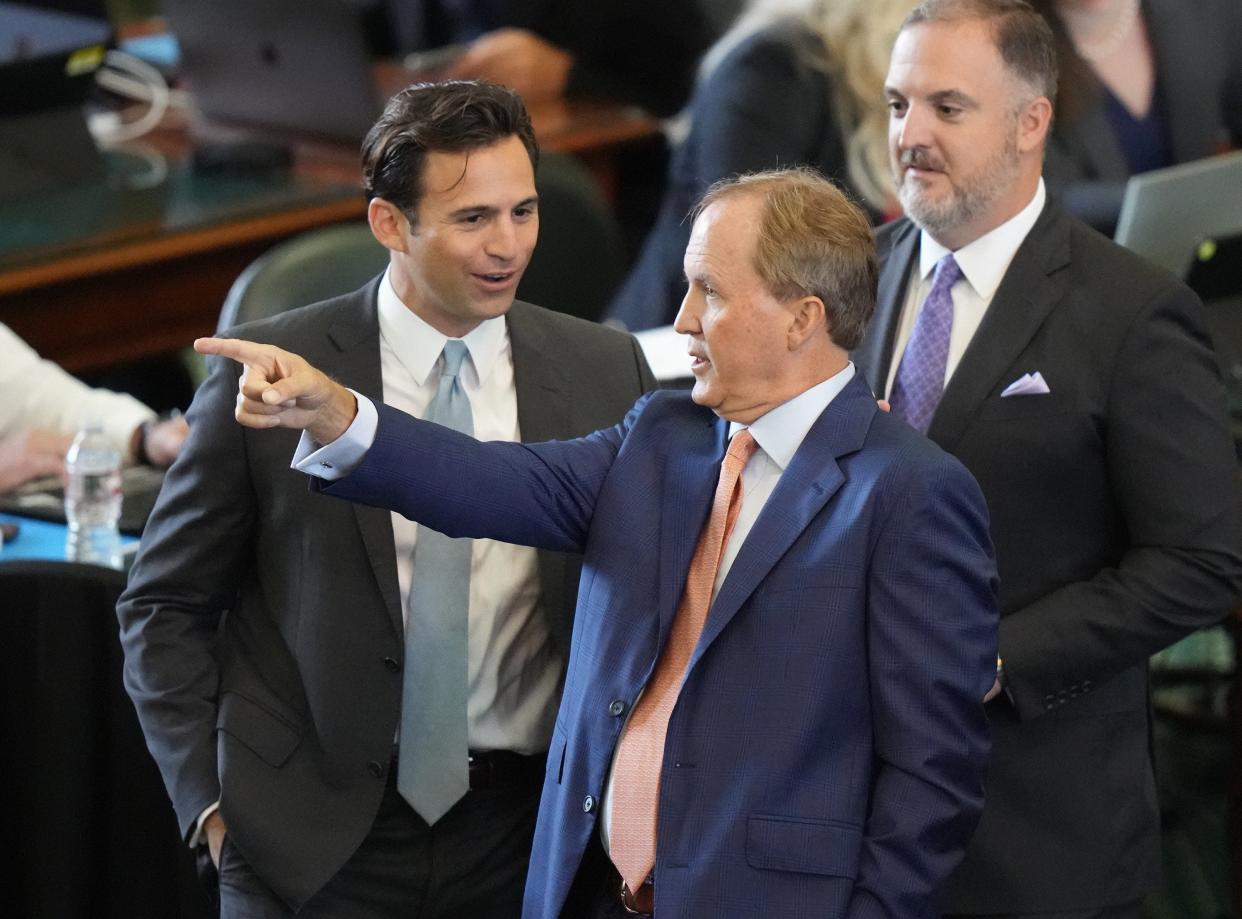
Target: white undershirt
984	263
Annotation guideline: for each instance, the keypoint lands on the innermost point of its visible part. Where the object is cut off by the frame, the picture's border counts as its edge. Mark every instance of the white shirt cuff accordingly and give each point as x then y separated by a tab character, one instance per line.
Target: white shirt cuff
200	838
341	457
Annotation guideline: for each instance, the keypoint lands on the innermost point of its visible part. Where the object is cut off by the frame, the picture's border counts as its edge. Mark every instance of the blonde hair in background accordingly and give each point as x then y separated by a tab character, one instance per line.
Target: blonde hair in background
857	39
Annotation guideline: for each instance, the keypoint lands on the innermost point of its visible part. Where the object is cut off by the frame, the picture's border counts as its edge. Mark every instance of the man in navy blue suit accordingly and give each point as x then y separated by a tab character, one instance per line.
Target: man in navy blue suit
787	619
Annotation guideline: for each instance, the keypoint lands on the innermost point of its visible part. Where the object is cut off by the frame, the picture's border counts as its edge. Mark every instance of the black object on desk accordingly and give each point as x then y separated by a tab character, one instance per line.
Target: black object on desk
45	500
255	158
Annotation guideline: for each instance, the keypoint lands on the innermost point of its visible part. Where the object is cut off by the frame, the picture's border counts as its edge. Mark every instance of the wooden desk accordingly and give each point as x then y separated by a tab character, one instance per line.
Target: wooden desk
96	276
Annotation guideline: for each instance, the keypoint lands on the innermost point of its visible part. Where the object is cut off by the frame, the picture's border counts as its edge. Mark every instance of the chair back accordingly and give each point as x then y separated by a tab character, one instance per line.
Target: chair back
580	260
312	266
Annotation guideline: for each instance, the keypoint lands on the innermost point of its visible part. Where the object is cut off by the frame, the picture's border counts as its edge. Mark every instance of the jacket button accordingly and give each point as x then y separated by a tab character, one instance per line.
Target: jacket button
588	804
617	708
375	769
392	664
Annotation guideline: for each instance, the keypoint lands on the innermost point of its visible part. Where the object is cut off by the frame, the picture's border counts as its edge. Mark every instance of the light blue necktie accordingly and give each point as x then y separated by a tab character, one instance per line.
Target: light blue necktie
432	757
919	383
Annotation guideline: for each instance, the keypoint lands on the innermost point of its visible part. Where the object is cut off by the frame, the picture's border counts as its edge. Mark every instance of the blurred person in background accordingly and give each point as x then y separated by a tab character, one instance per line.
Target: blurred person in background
794	82
1144	85
639	51
42	406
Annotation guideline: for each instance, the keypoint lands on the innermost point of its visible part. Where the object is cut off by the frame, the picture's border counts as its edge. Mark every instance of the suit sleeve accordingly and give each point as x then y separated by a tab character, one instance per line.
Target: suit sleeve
1174	477
932	616
185	576
540	495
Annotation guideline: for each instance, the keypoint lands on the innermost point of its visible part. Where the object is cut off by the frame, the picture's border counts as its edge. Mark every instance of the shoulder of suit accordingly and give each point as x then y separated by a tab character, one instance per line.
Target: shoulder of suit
891	233
356	305
1116	270
553	323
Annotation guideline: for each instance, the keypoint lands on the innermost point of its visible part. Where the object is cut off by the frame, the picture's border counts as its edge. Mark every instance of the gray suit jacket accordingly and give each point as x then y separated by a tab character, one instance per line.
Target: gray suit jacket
284	707
1115	513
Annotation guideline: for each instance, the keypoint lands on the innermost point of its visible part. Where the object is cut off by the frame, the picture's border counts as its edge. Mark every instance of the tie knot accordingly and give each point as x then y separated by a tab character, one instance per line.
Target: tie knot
741	448
947	273
454	353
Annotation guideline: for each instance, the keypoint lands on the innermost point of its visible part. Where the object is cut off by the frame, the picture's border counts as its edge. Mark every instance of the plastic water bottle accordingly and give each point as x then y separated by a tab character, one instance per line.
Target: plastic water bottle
93	498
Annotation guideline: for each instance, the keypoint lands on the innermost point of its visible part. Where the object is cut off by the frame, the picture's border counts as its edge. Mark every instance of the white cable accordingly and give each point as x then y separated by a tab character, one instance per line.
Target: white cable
135	79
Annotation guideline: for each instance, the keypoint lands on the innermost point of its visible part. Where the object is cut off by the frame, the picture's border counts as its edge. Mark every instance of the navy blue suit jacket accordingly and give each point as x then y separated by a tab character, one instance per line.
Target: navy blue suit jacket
826	754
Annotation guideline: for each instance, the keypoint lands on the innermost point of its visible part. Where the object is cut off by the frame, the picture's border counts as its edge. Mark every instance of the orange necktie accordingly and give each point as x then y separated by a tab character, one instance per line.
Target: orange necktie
640	752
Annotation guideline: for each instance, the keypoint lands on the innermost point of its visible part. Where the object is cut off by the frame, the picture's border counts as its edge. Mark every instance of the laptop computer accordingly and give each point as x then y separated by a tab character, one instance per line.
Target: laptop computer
1167	213
301	66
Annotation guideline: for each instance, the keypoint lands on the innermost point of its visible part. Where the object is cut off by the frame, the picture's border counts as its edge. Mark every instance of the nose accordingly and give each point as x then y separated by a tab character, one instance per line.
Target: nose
913	129
502	241
687	320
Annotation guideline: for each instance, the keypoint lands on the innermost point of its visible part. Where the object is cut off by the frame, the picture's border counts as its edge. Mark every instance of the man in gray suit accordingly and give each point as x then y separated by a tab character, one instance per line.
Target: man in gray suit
1076	382
265	632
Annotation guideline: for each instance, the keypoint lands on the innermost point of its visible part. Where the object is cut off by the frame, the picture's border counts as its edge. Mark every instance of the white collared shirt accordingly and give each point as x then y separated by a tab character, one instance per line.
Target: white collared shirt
779	434
514	667
984	263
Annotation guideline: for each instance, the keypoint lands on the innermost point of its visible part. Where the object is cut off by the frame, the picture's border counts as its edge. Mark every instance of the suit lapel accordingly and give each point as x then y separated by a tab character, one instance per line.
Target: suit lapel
874	356
543	397
806	485
689	485
355	333
1019	308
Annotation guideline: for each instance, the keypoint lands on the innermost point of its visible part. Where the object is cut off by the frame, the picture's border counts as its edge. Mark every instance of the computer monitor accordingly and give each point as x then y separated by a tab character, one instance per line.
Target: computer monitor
1167	213
49	52
299	66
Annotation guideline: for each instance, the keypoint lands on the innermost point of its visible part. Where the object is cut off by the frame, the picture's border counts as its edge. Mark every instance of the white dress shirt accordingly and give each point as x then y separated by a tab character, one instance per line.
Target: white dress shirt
984	263
36	393
514	667
779	434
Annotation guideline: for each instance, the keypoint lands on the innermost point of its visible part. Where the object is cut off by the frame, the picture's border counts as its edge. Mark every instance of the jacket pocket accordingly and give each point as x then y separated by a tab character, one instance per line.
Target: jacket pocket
1012	408
270	736
808	846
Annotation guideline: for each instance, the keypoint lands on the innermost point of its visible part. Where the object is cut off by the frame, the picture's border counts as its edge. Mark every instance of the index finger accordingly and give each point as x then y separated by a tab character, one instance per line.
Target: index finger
249	353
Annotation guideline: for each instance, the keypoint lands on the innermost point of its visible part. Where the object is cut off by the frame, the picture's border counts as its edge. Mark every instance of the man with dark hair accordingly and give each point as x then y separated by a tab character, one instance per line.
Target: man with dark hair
787	618
352	713
1077	383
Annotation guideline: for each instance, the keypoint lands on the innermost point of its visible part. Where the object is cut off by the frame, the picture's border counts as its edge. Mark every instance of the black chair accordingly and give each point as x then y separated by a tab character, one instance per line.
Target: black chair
309	267
580	260
90	829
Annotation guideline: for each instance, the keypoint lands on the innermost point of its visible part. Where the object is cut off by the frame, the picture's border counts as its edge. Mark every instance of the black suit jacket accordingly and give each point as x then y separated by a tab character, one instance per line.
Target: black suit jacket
1115	515
284	707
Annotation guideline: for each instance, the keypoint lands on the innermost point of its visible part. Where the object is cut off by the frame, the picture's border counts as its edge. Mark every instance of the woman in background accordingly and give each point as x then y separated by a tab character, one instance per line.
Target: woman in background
1142	86
793	82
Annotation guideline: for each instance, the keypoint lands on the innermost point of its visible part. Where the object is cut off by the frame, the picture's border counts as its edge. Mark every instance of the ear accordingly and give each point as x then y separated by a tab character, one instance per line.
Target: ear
808	318
1034	122
388	224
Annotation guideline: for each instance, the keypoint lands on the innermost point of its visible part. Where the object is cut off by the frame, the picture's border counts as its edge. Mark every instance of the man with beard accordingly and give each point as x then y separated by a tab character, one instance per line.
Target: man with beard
1078	385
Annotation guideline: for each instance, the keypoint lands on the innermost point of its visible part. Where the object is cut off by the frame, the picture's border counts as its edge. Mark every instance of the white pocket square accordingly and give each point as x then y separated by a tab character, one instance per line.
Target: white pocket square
1029	384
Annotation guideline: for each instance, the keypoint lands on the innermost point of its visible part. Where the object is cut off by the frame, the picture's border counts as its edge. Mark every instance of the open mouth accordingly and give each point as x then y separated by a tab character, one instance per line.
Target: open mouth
497	280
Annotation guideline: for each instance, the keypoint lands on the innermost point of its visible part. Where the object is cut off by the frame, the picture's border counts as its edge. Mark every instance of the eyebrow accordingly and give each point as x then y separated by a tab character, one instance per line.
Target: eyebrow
940	97
488	209
953	97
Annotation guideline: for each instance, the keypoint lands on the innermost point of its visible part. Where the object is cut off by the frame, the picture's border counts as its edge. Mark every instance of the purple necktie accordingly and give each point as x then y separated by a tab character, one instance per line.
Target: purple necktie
920	376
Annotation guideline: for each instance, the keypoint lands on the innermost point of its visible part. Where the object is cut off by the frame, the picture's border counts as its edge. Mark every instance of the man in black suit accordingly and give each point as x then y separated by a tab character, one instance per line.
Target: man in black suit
264	630
1077	383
